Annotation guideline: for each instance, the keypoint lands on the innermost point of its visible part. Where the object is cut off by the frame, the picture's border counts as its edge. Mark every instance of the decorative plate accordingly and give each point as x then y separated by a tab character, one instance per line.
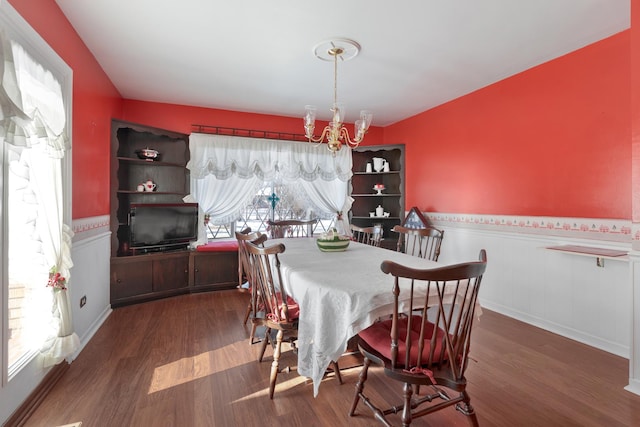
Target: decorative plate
148	154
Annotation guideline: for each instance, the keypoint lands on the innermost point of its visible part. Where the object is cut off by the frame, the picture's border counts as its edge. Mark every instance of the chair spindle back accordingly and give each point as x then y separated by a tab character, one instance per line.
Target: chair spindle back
420	242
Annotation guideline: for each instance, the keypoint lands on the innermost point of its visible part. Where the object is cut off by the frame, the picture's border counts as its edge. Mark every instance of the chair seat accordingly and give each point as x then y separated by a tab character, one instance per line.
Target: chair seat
292	307
378	338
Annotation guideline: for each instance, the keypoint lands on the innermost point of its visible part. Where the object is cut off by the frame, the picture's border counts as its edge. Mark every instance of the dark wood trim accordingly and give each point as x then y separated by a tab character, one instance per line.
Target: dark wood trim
28	407
249	133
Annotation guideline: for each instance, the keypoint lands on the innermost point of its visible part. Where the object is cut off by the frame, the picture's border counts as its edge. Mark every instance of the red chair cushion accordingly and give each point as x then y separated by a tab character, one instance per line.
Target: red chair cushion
292	308
378	336
219	246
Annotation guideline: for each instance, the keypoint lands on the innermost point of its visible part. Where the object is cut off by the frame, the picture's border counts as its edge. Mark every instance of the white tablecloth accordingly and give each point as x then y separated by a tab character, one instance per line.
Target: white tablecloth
339	293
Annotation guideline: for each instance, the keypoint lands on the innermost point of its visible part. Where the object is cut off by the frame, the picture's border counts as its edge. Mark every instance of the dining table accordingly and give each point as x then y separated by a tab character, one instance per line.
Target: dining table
339	295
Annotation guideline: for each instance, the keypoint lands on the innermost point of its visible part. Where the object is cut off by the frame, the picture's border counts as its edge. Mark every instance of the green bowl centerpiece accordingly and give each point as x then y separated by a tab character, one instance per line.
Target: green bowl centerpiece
332	242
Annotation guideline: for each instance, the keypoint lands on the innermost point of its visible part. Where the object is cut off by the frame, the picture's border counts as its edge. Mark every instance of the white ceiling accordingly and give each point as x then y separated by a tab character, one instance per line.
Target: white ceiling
257	55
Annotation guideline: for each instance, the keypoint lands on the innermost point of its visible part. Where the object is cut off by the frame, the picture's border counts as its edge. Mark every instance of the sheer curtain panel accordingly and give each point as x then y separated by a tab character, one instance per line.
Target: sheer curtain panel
33	124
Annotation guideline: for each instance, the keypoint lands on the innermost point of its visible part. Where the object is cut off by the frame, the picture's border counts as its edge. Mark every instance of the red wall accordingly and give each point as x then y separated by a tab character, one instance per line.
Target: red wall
551	141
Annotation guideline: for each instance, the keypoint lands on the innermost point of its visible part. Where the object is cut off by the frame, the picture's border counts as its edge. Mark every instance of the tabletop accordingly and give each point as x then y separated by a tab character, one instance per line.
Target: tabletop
339	294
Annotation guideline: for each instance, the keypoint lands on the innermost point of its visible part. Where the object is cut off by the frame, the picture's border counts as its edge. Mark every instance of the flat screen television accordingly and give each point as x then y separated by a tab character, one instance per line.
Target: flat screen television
162	226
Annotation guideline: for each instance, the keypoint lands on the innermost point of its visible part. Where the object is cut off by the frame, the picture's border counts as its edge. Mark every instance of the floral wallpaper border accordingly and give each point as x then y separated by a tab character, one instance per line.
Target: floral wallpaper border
589	228
85	228
585	228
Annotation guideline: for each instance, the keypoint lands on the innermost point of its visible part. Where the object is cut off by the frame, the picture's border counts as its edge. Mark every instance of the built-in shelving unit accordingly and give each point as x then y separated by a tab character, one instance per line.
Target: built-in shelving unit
168	172
366	199
142	277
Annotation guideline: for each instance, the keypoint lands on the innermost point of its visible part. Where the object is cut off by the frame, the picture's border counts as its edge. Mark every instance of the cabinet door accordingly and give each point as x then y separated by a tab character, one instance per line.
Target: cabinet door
171	272
130	279
216	268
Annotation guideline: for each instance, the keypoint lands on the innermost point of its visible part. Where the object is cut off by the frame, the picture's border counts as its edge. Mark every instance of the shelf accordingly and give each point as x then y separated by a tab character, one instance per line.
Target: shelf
141	162
591	251
375	173
376	217
378	195
150	193
600	254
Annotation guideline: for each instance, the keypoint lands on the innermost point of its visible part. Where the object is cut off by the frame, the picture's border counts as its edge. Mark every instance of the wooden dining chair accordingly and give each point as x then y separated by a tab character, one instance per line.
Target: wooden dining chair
244	274
281	312
291	228
421	242
367	235
240	237
431	350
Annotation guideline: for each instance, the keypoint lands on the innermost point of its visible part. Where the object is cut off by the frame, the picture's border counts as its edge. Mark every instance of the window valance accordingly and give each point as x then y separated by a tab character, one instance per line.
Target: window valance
224	156
32	102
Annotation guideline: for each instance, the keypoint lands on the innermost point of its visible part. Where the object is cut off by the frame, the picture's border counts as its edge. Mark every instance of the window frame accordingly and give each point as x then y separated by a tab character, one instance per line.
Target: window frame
18	29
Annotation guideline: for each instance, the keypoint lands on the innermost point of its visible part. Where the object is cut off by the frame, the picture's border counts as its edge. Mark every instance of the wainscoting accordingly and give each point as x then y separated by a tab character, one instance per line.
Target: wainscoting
569	294
90	275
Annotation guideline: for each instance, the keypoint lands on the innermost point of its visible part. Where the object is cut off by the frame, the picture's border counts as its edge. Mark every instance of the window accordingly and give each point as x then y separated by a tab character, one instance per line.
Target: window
243	182
36	188
272	201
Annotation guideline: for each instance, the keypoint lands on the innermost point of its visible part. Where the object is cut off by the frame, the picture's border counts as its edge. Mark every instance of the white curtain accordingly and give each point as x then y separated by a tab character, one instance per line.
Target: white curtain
33	120
226	172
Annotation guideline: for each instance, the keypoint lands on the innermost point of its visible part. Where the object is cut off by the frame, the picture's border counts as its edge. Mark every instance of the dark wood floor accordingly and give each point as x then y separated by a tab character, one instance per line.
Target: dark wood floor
186	361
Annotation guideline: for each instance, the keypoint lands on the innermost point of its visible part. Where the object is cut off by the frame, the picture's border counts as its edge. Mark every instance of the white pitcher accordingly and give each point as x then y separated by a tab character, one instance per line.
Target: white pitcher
378	164
379	211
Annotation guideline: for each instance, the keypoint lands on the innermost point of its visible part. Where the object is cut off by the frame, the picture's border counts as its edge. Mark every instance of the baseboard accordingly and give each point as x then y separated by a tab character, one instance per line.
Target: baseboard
92	330
573	334
633	387
31	403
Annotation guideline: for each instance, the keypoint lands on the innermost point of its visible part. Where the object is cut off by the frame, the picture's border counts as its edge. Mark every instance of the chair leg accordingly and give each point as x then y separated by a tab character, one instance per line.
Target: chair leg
252	335
466	408
248	313
360	386
274	364
406	411
336	370
265	341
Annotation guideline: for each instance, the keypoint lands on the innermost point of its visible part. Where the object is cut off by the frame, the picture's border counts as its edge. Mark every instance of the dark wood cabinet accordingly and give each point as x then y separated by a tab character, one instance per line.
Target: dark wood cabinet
214	270
171	272
145	277
137	276
367	199
130	278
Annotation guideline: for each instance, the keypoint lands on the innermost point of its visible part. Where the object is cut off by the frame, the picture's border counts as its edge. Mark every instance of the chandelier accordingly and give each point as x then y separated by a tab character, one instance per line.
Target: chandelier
336	133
